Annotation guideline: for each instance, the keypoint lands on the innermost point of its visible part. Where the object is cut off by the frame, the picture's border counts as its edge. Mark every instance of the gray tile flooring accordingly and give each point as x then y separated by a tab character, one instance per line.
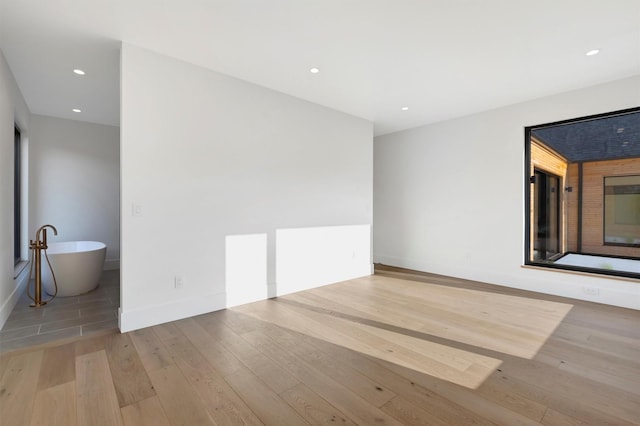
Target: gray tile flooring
63	317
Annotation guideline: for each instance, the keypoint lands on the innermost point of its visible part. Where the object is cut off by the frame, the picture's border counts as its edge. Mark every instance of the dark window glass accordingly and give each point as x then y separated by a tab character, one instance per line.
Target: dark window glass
622	211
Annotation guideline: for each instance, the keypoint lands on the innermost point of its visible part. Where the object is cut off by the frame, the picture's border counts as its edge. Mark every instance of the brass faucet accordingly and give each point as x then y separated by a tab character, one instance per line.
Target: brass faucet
43	229
37	246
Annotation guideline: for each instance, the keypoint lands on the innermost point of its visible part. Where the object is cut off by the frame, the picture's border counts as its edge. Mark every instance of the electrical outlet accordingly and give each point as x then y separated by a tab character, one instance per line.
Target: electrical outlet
591	291
179	281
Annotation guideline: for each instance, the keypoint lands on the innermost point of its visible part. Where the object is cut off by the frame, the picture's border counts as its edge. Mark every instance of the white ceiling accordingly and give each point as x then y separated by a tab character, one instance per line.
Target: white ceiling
441	58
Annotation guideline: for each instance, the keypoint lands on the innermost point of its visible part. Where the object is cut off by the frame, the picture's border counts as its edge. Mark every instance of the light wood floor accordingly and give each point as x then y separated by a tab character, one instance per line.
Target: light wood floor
395	348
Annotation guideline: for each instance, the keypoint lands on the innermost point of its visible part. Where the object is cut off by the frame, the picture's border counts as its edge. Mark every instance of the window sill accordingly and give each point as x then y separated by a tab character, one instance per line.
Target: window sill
583	273
19	267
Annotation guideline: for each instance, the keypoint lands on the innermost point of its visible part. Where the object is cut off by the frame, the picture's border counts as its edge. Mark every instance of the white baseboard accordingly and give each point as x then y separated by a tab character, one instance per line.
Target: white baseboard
20	284
398	262
288	288
173	311
185	308
202	304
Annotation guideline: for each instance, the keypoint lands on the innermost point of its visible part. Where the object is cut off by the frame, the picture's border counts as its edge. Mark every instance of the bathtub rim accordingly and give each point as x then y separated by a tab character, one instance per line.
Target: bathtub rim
74	247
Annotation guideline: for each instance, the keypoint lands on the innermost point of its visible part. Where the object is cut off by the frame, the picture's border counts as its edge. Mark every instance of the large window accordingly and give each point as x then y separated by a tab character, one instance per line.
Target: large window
17	210
583	194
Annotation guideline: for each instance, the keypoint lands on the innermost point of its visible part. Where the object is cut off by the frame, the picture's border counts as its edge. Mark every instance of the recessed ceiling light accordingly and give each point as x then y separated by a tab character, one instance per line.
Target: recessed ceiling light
593	52
76	110
314	70
78	71
405	108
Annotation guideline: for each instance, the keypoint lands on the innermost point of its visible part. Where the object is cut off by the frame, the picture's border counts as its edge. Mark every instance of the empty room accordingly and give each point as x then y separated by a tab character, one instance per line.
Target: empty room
287	212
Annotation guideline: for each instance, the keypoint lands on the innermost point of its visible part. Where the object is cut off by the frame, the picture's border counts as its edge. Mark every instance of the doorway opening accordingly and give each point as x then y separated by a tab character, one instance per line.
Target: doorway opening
546	220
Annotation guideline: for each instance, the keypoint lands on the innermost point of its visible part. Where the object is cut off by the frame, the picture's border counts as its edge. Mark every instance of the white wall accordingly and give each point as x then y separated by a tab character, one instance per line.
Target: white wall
449	197
205	157
13	109
75	182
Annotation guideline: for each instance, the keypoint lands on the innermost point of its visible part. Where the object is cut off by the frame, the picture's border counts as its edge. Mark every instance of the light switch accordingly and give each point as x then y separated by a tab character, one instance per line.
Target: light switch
136	210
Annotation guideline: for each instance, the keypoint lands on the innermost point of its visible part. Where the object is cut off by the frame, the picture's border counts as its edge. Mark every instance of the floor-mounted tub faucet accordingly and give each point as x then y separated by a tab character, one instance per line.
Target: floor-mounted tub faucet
37	246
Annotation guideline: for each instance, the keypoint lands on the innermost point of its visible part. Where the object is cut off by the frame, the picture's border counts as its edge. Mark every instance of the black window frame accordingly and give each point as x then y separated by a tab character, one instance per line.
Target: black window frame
527	199
17	196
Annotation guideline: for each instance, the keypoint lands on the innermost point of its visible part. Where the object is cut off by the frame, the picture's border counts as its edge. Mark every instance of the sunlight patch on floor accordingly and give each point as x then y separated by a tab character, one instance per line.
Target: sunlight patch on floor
455	334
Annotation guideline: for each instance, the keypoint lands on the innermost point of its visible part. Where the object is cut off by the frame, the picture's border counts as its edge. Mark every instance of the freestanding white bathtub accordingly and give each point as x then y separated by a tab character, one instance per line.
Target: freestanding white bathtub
77	266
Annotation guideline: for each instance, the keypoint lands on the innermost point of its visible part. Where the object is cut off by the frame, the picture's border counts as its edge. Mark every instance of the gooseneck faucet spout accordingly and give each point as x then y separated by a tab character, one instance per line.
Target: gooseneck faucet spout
43	229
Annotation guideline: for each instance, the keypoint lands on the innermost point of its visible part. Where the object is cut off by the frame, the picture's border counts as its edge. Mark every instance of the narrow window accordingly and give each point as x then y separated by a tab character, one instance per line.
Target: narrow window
16	195
583	194
622	211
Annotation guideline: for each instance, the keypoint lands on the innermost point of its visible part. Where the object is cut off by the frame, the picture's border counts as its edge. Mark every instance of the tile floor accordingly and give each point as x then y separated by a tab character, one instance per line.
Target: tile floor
63	317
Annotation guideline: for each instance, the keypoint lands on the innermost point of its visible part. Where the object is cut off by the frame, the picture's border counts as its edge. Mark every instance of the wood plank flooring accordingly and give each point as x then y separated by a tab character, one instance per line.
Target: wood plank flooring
396	348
